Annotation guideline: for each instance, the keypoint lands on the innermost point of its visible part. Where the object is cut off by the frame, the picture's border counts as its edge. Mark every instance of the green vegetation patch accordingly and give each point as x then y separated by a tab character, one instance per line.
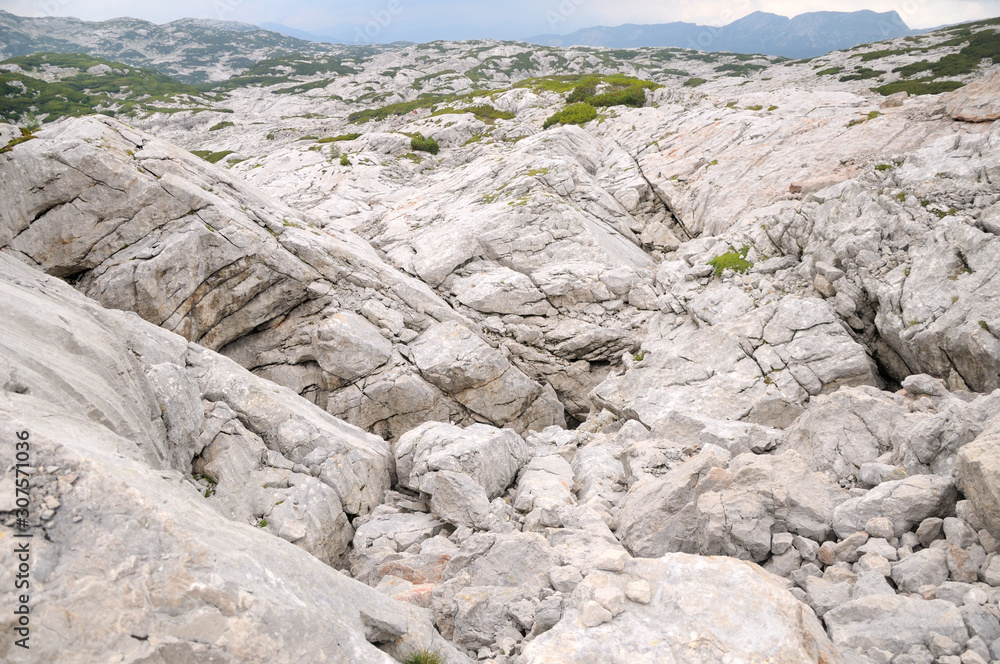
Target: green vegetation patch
885	53
870	116
421	143
694	82
734	259
341	137
221	125
423	657
732	69
862	74
212	157
979	46
282	69
919	87
91	85
485	112
830	71
26	135
577	114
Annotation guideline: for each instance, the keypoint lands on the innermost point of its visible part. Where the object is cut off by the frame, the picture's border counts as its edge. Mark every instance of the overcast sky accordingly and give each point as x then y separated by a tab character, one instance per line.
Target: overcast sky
421	20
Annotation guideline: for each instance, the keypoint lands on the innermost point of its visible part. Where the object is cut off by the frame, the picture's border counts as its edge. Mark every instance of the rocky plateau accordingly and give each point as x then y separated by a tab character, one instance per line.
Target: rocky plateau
711	376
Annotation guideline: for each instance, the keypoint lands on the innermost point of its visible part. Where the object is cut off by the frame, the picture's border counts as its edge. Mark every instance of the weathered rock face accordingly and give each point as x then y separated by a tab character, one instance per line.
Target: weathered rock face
691	608
977	102
143	226
718	293
117	412
703	507
978	471
737	362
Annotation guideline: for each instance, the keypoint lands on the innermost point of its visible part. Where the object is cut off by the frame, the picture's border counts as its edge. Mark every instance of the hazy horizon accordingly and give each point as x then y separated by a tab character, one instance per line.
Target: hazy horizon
427	20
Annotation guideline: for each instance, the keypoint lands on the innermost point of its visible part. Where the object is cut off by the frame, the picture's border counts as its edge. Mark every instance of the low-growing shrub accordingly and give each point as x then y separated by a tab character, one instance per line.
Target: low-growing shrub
631	96
342	137
222	125
578	114
734	259
424	144
212	157
694	82
423	657
918	87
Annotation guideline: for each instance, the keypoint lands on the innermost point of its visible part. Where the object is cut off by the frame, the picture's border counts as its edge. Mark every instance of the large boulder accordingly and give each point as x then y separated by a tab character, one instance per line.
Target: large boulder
490	456
978	474
689	608
893	623
978	101
904	502
702	507
115	421
260	453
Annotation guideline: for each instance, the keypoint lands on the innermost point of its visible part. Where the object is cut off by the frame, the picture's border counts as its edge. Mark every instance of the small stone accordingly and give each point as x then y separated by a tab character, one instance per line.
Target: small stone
611	598
611	560
909	540
593	614
942	645
929	530
879	526
972	657
802	574
780	543
966	511
978	646
638	591
806	547
961	566
976	596
917	654
879	656
873	561
881	547
958	533
847	549
565	578
988	542
827	553
991	571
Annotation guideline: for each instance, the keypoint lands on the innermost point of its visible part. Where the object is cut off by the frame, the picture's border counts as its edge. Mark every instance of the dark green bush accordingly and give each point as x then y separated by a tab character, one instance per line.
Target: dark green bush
631	96
918	87
342	137
423	657
424	144
578	114
694	82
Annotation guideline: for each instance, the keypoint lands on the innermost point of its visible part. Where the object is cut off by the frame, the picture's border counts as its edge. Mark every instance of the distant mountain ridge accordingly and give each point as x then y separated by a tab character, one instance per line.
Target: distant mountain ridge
192	50
804	36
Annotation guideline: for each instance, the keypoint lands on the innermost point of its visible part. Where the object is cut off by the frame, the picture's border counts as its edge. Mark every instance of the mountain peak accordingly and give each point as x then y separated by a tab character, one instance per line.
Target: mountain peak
804	35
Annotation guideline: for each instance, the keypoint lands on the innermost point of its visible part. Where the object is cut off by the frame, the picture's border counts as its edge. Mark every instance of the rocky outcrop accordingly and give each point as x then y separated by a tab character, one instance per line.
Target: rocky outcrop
692	608
976	102
143	226
118	413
